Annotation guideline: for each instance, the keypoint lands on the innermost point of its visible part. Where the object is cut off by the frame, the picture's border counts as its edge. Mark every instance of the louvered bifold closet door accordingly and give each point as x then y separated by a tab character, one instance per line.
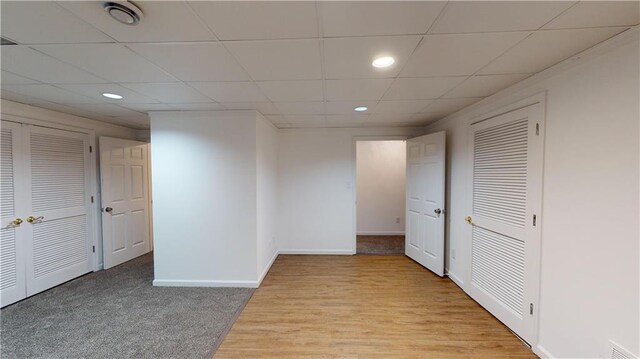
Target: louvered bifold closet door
12	236
59	198
502	151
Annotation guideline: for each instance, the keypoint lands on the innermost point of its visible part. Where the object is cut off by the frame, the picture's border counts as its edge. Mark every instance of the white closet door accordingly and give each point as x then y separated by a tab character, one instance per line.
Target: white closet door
505	187
59	199
424	241
12	233
125	193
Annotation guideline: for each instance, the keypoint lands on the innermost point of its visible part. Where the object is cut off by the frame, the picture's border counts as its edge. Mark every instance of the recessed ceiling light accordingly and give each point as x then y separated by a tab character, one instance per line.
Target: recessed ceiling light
360	108
123	12
114	96
384	61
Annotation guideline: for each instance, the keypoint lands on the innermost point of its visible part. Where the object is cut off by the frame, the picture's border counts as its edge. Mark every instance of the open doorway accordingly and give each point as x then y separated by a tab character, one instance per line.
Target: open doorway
380	196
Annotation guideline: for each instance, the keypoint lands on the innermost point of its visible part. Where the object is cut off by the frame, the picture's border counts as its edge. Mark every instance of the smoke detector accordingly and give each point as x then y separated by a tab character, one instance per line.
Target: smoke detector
124	12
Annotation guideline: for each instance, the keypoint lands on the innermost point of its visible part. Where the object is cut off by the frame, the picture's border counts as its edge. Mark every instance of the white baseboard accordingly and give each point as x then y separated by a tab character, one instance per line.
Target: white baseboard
378	233
542	352
268	266
205	283
331	252
455	279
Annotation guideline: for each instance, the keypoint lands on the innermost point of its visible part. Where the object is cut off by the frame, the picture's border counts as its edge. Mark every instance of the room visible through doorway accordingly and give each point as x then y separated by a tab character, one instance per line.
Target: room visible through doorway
380	197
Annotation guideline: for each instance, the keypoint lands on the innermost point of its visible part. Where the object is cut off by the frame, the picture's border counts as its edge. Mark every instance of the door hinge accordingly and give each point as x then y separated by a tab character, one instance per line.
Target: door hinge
531	308
90	149
94	249
534	220
537	129
91	199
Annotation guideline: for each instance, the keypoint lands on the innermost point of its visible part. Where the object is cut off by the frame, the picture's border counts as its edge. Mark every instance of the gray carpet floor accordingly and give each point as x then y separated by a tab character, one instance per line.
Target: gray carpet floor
380	244
117	313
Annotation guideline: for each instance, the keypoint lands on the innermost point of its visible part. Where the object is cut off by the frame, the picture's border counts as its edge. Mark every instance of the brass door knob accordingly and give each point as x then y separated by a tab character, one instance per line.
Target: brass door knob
17	221
469	219
32	219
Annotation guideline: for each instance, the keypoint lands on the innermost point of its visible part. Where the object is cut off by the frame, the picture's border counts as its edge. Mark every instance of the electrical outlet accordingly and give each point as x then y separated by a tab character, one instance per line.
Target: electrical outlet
397	219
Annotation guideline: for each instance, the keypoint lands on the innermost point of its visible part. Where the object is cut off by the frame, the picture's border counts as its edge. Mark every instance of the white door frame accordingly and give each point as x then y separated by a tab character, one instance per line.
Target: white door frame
94	261
539	98
354	163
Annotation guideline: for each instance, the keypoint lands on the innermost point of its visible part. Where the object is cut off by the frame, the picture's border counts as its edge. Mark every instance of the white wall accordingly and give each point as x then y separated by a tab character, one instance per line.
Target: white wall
316	205
589	261
380	185
204	206
267	192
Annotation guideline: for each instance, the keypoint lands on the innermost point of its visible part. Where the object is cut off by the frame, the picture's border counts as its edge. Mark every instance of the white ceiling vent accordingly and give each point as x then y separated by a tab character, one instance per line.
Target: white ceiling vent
618	352
124	12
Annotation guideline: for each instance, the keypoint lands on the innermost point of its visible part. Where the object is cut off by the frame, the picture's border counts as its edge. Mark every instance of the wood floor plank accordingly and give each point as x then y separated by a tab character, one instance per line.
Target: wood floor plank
364	307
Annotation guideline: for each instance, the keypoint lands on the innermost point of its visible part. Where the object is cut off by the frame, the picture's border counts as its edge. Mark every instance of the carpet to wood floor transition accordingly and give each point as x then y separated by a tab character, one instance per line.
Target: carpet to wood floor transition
117	313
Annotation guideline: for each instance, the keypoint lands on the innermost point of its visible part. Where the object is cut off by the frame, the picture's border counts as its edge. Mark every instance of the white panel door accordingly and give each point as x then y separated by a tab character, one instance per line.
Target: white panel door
125	204
506	153
424	241
58	226
12	232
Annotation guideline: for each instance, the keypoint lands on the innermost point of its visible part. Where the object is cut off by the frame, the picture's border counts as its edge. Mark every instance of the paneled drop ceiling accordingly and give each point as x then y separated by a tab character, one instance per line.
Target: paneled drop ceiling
301	64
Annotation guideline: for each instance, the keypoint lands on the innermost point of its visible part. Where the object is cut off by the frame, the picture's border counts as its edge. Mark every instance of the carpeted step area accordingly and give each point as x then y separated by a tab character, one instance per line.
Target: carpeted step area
379	244
117	313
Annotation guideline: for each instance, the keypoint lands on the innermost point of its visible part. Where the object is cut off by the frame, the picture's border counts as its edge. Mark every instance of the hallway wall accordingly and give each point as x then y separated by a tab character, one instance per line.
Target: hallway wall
380	184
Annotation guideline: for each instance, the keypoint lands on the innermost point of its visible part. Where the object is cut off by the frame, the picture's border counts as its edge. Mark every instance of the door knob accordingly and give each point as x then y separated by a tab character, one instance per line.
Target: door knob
437	211
469	219
17	221
108	209
32	219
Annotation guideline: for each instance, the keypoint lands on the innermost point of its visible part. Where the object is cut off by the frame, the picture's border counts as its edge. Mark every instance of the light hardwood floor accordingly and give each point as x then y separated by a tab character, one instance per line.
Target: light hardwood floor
364	307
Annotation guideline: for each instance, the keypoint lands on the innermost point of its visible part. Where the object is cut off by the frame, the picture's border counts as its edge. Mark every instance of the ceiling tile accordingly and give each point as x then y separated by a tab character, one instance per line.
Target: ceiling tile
598	13
253	20
400	106
297	119
351	58
210	106
278	59
485	85
18	97
346	119
193	61
487	16
163	21
111	61
464	54
106	109
45	22
558	45
49	93
287	91
96	90
9	78
389	118
366	18
420	88
450	105
230	91
427	117
346	107
300	108
361	89
24	61
145	107
265	108
168	92
276	119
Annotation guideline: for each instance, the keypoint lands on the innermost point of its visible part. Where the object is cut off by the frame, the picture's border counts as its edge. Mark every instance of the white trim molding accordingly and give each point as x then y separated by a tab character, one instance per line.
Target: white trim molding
267	267
205	283
331	252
